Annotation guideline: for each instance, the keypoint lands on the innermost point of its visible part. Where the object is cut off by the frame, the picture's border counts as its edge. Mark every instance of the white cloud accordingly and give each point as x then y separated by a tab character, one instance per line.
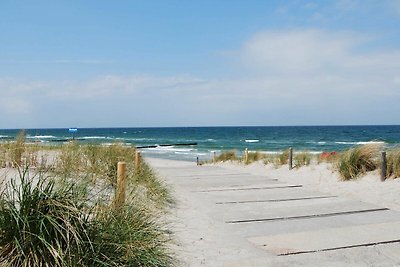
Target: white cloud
301	50
16	106
283	77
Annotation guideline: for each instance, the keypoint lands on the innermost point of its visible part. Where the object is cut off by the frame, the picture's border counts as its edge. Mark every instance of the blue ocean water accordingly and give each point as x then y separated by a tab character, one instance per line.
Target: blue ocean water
269	139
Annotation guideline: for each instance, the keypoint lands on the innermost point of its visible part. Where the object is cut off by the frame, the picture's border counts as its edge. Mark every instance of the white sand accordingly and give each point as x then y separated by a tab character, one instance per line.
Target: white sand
323	177
205	239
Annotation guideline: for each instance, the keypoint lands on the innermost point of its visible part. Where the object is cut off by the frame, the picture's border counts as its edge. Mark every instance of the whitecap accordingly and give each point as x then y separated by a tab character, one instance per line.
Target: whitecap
41	136
252	140
360	143
97	137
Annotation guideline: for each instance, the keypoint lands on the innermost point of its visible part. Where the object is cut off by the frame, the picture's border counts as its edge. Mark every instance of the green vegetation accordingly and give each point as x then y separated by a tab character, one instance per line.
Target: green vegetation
329	157
63	214
40	224
44	223
357	161
227	156
302	159
254	157
393	163
282	158
128	237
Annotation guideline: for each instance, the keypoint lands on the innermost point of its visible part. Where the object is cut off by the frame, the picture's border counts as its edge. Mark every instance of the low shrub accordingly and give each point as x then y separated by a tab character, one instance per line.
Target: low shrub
329	157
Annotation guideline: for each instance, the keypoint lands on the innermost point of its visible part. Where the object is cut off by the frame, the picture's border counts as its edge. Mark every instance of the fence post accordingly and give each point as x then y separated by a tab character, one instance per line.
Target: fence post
383	166
290	158
137	161
121	184
214	158
197	161
246	156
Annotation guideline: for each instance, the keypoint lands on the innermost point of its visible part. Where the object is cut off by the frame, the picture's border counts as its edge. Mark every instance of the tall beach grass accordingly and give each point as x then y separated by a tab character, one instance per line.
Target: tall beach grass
54	214
356	161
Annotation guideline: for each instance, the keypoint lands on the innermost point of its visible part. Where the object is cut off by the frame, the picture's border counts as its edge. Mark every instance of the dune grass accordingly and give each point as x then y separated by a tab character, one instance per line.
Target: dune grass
227	156
356	161
59	217
254	157
282	158
41	224
302	159
128	237
393	163
47	223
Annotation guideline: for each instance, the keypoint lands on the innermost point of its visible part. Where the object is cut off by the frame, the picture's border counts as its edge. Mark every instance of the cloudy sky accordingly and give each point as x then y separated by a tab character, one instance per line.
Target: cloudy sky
198	63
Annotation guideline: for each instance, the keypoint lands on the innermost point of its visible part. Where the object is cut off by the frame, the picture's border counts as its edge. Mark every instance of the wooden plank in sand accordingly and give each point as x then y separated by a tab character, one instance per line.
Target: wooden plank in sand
329	239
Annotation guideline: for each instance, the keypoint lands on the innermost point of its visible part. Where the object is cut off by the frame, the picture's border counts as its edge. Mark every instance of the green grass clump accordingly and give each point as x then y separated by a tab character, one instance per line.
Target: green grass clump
227	156
356	161
93	161
254	157
282	158
41	224
69	160
128	237
393	163
3	156
17	148
44	222
302	159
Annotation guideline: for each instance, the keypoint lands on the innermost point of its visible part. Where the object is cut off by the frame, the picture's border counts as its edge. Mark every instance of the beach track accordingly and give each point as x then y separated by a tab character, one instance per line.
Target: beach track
231	217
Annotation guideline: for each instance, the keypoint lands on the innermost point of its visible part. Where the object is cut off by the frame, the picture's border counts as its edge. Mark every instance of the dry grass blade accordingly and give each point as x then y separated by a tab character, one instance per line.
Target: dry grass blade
357	161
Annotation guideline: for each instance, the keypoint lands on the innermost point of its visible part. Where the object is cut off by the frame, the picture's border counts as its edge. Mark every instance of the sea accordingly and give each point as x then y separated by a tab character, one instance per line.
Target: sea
188	143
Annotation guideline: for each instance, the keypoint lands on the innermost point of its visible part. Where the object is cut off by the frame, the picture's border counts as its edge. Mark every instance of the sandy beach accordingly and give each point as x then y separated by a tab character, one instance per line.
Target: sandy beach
231	214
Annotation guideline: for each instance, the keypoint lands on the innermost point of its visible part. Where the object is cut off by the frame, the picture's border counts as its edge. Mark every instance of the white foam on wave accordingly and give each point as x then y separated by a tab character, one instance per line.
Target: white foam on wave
252	140
139	139
3	136
360	143
41	136
97	137
169	149
318	142
280	152
211	140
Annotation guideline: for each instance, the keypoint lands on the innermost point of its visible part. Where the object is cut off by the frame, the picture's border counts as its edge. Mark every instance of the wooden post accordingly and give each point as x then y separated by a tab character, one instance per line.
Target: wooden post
121	184
246	156
214	158
290	158
137	161
197	161
383	166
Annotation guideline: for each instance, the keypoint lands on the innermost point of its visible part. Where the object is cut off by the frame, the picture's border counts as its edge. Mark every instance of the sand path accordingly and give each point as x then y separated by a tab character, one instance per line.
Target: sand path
229	215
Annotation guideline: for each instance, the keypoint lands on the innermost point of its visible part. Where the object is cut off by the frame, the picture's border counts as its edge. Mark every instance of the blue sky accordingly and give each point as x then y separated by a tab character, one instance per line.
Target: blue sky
199	63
